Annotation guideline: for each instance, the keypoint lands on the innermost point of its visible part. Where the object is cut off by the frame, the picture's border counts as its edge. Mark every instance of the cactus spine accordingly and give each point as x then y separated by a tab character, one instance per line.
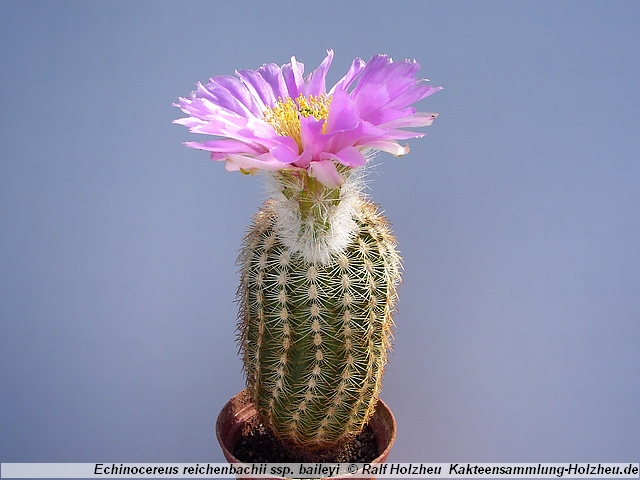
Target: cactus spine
319	274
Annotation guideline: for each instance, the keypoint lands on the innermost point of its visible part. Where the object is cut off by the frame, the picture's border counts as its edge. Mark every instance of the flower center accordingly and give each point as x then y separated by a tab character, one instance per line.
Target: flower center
285	116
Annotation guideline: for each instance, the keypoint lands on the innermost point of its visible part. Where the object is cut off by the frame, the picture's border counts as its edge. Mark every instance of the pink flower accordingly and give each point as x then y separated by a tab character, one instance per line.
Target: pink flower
274	119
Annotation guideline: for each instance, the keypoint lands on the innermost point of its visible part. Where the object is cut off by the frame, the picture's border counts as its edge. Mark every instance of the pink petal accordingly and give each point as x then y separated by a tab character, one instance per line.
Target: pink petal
349	156
313	140
419	119
272	74
316	81
304	159
292	73
394	148
262	162
238	89
230	93
258	87
224	146
419	91
326	173
370	101
286	152
345	82
342	113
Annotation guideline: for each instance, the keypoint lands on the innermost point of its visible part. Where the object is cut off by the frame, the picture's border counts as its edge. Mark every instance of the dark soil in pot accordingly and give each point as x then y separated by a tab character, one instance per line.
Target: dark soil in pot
259	444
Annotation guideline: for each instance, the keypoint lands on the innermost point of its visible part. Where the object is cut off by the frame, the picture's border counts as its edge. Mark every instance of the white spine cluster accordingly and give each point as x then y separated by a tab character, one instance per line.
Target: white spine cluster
328	228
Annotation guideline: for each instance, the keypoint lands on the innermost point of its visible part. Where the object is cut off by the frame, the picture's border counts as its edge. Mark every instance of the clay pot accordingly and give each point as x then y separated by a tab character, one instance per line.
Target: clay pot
239	415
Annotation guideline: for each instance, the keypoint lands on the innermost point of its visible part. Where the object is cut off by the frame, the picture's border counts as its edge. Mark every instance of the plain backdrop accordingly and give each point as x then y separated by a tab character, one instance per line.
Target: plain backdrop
518	333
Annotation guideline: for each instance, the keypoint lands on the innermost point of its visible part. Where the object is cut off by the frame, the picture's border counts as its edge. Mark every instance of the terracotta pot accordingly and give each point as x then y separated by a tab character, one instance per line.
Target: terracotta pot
239	416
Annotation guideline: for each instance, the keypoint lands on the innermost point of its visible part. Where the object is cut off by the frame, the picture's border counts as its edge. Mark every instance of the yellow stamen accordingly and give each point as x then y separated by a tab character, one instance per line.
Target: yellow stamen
285	116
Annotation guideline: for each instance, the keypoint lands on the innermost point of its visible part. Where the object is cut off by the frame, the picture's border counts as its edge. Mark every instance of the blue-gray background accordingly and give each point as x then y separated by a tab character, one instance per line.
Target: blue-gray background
518	338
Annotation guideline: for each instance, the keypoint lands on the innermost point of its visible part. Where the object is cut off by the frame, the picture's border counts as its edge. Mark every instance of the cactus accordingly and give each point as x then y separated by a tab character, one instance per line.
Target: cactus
319	268
315	321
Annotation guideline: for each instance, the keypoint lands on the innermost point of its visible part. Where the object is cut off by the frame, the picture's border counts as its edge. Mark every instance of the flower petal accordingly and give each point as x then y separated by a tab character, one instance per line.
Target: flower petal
272	74
292	73
342	112
392	147
345	82
349	156
314	142
370	102
229	92
418	92
326	173
262	162
225	146
316	80
419	119
258	86
286	152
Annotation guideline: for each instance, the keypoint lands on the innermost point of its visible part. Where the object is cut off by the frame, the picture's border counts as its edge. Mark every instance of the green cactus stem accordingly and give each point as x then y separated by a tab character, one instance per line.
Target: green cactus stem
316	314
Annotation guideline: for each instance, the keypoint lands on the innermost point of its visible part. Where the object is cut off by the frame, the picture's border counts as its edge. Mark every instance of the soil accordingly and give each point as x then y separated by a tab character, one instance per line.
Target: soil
261	445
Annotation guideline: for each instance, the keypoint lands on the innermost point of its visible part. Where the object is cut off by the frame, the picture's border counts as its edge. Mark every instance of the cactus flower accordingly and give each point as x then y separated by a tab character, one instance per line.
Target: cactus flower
273	118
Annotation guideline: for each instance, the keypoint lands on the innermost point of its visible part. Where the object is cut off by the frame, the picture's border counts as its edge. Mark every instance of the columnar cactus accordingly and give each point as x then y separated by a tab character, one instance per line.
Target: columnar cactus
319	268
315	326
